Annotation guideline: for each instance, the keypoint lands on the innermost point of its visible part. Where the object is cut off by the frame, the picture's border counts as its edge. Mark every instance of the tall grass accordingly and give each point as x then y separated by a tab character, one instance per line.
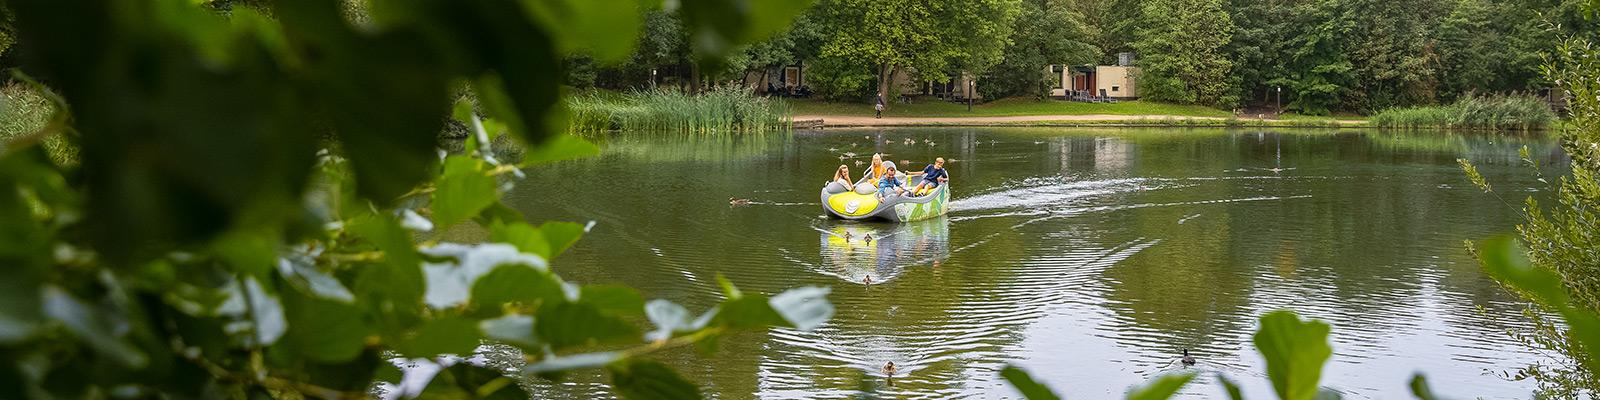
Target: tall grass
728	109
1503	112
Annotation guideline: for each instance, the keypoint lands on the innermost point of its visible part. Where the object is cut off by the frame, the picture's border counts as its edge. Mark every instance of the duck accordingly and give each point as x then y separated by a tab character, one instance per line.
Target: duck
889	369
867	280
1187	360
833	149
734	201
868	238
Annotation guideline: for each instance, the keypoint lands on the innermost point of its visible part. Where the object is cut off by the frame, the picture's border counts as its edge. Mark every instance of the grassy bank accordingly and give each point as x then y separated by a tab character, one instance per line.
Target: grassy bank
1472	112
24	111
1166	122
1005	108
721	110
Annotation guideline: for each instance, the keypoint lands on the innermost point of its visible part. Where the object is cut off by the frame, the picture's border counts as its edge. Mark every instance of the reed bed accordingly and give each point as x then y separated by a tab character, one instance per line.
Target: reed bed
727	109
1502	112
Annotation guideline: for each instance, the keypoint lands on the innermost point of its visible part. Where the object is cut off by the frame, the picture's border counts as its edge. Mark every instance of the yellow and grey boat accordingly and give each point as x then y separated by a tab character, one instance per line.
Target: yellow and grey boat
862	203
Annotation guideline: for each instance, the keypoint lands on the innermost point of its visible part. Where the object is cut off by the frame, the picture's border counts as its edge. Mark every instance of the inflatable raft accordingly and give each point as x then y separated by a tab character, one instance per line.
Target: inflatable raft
863	204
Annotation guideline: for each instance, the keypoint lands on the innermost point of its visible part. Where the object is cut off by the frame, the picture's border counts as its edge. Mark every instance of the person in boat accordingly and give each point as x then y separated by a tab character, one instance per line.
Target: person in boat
932	176
842	176
875	172
890	183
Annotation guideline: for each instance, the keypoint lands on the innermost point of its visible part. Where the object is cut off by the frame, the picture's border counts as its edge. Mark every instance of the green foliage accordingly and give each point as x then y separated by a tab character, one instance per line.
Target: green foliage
928	40
25	111
1161	388
1295	351
1512	112
1047	32
1557	271
646	380
260	201
1032	390
725	109
1181	58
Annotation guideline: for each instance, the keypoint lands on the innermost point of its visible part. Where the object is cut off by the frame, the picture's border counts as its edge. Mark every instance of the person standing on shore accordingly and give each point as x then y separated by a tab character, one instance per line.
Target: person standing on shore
878	107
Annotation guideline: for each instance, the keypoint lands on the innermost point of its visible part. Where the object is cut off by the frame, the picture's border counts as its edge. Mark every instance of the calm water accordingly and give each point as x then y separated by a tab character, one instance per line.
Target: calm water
1089	257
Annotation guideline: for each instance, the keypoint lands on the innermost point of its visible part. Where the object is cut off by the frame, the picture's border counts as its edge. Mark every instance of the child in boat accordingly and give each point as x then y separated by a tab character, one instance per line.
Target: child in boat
842	175
890	181
932	176
874	174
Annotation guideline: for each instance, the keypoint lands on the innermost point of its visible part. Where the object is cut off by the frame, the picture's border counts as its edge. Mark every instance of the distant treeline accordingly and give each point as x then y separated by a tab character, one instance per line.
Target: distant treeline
1326	55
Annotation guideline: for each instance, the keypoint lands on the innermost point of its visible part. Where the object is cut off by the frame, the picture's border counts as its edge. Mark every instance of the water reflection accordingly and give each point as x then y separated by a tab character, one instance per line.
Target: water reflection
877	252
1091	257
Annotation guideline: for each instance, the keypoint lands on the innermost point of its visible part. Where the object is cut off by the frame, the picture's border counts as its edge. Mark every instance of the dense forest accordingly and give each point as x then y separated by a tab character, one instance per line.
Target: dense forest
1326	55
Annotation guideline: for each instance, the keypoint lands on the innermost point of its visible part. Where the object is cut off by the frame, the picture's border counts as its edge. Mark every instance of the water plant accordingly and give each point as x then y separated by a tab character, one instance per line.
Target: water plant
1500	112
722	109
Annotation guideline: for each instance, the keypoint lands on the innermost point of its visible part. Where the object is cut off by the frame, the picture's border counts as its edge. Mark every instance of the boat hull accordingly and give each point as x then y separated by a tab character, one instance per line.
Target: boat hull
862	204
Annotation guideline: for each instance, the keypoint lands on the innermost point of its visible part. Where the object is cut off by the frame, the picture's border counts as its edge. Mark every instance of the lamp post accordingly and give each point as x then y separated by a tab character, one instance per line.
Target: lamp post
971	86
1278	104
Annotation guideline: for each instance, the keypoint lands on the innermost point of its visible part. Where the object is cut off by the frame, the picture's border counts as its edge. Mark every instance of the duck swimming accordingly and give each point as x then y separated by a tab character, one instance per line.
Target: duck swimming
734	201
1187	360
889	369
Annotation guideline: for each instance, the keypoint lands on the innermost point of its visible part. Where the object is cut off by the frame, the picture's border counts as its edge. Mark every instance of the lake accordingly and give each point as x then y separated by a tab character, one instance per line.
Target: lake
1090	257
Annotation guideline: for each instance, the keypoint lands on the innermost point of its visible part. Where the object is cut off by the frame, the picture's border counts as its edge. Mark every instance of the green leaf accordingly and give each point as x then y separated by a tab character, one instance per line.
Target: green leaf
93	326
460	267
649	380
615	299
1419	388
720	26
463	190
448	335
605	29
750	311
1161	388
804	307
571	362
526	238
1030	389
1295	351
498	212
669	318
571	324
513	329
302	273
1504	260
515	283
559	148
394	286
382	93
258	306
1231	388
322	330
474	382
560	235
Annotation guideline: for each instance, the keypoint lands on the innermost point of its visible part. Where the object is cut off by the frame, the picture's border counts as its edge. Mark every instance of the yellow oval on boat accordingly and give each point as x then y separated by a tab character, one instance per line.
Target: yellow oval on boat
853	204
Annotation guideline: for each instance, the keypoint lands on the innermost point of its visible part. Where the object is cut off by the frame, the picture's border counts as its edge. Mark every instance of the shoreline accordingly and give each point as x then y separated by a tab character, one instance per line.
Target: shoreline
1090	120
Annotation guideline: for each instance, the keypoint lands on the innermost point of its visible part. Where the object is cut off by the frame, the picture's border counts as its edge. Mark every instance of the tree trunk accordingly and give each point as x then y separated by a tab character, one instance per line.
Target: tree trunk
694	78
883	83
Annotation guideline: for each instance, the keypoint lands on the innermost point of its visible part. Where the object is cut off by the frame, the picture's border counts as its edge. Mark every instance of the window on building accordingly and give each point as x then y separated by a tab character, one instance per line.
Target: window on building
1056	71
1115	87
